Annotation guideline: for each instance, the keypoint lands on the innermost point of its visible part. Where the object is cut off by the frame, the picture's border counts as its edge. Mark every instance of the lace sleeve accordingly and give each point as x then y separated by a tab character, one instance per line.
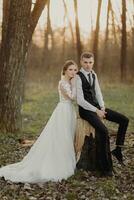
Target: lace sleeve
67	90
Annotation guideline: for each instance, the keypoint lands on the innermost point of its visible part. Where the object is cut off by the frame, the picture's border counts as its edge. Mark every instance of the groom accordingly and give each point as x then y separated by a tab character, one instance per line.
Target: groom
92	109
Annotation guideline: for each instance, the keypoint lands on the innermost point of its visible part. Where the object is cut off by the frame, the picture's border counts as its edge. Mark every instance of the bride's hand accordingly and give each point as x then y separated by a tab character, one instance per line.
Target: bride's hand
72	81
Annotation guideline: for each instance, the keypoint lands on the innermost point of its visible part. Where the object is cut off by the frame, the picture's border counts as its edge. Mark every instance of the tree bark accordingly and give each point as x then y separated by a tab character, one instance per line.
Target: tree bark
6	6
123	57
18	28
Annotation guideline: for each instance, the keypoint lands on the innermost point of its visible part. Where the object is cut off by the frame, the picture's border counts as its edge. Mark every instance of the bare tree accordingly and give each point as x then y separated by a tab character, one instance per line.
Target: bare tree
19	27
69	21
107	33
66	17
123	58
133	26
113	22
64	38
77	29
96	36
49	39
107	25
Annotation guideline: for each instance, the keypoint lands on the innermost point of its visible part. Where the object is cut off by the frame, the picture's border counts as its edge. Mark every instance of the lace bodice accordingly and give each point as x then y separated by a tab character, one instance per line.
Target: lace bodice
66	91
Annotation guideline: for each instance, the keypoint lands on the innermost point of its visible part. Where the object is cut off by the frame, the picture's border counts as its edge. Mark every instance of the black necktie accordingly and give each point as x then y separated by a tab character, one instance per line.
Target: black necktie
89	78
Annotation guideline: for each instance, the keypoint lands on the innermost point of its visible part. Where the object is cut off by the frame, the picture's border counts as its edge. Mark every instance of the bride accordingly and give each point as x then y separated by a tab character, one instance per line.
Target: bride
52	156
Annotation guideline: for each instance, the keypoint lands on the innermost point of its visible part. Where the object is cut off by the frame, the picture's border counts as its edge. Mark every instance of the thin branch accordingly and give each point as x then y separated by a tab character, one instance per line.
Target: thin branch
35	14
69	21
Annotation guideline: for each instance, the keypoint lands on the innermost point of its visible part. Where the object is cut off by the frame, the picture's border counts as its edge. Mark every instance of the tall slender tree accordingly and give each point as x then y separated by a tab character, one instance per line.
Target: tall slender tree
69	21
49	39
133	25
19	27
77	29
107	25
64	38
106	33
66	17
96	36
113	23
123	57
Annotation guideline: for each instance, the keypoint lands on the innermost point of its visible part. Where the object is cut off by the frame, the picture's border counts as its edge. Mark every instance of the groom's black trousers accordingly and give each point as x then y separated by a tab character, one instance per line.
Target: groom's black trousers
102	135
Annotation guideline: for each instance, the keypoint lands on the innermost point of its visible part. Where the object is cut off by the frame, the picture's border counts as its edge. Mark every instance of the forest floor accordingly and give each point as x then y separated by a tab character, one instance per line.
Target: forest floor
38	106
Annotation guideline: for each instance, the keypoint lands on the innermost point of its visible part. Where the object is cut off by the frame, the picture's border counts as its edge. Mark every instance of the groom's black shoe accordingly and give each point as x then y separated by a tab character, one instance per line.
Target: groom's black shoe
106	174
118	155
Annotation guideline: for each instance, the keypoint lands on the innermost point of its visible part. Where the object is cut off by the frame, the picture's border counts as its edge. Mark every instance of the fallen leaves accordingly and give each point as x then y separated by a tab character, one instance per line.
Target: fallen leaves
82	186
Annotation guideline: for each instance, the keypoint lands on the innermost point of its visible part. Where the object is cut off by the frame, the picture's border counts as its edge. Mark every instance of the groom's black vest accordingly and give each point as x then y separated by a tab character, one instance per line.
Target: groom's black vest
89	90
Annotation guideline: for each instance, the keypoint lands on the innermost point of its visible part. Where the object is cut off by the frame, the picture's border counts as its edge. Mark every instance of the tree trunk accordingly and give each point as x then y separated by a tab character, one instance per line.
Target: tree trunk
78	40
64	39
14	49
106	34
113	23
96	36
6	6
123	58
69	21
35	15
107	26
66	16
49	40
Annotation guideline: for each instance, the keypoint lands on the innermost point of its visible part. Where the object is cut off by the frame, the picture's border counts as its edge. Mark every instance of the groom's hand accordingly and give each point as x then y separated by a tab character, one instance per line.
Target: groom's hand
103	108
101	113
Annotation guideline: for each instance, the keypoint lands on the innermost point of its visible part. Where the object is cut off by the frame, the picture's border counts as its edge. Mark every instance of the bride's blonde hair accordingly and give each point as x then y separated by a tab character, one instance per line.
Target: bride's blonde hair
66	66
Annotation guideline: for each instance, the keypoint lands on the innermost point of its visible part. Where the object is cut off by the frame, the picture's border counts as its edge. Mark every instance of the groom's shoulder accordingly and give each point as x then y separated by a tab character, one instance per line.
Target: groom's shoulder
80	74
93	72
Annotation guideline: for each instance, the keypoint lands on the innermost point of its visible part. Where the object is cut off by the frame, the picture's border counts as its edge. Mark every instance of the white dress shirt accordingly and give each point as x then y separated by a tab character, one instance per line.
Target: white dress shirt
80	96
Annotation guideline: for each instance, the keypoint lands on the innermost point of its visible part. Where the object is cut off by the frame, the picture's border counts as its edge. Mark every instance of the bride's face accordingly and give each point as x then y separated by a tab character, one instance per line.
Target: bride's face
71	71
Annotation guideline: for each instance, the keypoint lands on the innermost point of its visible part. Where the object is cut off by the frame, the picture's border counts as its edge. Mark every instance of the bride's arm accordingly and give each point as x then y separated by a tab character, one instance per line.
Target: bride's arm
65	89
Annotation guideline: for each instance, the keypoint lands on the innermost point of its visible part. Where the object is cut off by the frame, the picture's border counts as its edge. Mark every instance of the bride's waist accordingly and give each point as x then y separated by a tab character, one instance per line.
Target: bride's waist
65	101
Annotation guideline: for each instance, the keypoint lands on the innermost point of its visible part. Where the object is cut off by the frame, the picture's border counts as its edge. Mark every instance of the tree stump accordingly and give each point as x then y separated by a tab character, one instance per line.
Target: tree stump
85	146
88	149
87	160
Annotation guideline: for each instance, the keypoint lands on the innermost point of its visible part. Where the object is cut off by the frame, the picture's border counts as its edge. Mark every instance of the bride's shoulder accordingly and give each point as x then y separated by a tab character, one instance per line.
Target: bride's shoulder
63	84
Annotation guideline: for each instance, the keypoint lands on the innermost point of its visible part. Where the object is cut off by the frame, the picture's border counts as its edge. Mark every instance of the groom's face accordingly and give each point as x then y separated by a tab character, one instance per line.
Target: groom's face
87	63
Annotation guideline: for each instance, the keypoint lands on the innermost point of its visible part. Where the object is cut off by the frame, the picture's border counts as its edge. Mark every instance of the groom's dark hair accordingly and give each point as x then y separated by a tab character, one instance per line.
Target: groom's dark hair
87	55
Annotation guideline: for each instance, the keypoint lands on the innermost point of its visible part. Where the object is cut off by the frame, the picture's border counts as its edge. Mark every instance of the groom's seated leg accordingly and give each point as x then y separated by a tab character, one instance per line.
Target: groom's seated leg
123	121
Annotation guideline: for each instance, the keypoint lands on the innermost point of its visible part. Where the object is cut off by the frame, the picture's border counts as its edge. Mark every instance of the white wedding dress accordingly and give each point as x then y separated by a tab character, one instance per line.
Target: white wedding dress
52	156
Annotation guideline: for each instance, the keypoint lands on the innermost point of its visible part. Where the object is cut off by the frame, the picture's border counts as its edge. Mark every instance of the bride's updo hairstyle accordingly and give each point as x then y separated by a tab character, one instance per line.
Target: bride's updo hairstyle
66	66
